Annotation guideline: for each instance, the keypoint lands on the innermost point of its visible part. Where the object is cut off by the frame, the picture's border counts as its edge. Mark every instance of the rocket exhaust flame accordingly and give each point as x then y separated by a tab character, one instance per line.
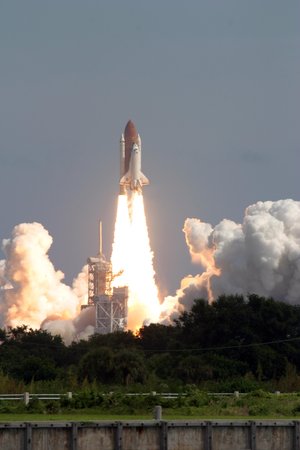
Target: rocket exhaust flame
121	244
133	256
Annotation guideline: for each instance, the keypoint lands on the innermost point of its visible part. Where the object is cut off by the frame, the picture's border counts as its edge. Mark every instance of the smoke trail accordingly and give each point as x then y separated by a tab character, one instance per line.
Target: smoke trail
133	256
261	255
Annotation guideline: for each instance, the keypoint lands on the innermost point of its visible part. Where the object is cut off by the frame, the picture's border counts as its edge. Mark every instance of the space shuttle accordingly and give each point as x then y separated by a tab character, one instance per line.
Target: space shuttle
131	175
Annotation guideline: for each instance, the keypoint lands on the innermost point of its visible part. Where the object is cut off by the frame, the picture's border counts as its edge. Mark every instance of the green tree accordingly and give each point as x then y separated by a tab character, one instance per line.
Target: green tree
97	365
193	369
34	368
129	366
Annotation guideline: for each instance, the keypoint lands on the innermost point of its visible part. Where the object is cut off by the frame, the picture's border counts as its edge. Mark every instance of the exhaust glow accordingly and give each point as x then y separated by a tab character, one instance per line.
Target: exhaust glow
132	255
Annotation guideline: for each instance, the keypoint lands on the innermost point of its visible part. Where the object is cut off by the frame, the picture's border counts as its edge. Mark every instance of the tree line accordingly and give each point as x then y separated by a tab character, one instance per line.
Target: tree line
236	342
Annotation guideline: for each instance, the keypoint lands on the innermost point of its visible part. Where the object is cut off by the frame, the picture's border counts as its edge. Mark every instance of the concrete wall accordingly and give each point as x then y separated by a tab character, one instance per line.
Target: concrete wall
151	435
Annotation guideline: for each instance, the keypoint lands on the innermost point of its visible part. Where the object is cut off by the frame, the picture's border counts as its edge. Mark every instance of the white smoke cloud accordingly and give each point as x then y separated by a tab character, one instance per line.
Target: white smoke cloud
261	256
72	329
32	290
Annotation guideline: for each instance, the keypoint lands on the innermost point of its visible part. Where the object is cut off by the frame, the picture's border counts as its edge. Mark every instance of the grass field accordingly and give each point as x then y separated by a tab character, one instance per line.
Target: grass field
83	417
76	416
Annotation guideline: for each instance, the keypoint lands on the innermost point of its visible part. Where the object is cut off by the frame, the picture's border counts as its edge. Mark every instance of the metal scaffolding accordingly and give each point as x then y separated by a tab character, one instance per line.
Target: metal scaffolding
110	303
99	278
111	311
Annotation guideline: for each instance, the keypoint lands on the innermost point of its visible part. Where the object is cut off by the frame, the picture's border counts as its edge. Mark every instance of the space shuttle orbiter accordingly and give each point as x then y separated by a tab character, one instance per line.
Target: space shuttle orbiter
132	177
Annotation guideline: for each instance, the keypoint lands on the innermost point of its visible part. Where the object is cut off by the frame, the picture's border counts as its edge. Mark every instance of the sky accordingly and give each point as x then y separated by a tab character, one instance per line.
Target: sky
211	85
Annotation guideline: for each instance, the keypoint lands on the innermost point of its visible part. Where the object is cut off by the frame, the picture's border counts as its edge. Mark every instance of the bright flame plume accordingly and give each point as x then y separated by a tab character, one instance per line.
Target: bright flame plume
132	255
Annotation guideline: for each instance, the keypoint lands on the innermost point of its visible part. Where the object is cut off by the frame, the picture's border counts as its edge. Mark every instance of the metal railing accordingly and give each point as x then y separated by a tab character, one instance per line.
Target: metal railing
26	396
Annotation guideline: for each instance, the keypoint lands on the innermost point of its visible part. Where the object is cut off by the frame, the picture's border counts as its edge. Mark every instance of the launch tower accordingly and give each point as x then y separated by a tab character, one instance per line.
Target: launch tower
110	303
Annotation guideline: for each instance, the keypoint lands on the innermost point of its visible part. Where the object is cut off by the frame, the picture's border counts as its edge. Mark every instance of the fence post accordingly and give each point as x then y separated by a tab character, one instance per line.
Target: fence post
26	398
157	412
69	395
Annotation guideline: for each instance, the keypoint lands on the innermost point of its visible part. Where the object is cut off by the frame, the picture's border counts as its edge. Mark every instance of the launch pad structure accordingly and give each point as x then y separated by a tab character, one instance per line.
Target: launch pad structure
110	303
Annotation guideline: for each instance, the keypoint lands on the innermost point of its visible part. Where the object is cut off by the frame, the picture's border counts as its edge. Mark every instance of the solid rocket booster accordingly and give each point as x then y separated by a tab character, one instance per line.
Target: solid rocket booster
122	161
132	177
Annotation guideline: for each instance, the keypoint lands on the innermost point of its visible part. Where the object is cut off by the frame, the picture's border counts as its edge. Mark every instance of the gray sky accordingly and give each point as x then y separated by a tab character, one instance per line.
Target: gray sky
212	86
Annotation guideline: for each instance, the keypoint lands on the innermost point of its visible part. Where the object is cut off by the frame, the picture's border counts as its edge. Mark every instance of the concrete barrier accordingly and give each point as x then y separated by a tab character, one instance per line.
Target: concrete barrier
151	435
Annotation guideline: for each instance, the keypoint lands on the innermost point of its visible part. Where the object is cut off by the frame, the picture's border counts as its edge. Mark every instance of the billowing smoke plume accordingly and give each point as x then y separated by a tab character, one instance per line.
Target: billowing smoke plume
261	256
32	291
